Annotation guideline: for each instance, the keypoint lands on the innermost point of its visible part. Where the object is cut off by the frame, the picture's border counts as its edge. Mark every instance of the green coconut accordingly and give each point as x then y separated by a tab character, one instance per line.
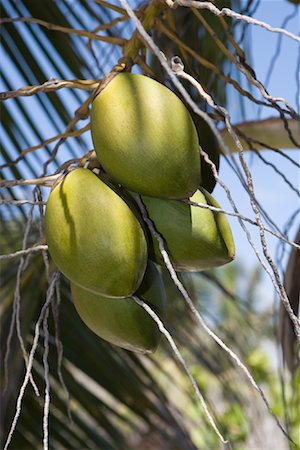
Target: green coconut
195	238
145	137
94	237
123	322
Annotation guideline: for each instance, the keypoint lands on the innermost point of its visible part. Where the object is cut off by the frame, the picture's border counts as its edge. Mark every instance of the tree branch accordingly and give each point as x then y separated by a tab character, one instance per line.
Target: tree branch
45	181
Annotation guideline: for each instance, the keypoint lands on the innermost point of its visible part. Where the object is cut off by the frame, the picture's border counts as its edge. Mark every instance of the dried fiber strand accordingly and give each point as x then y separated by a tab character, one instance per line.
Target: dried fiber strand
15	319
45	181
234	15
112	7
275	168
101	71
264	145
180	358
103	26
11	201
264	93
47	382
281	357
111	24
233	165
49	295
288	130
39	198
49	86
68	163
59	347
28	251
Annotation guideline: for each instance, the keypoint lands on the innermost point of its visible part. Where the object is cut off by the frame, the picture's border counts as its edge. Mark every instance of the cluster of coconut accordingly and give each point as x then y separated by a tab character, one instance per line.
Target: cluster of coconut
146	140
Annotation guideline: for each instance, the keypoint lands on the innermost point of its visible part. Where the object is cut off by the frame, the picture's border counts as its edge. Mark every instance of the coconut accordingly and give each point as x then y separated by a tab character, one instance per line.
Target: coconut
94	237
123	322
145	138
195	238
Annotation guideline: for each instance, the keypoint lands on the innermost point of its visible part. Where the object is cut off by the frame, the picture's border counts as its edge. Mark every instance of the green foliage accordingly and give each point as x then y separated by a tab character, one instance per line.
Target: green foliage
235	424
259	364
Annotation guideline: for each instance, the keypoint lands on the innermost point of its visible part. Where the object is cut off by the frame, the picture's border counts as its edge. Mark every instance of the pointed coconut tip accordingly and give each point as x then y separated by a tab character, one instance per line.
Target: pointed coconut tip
195	238
121	321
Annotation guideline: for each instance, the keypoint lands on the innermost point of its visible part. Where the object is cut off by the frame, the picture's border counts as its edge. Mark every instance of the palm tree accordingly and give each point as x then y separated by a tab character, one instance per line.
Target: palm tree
102	396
